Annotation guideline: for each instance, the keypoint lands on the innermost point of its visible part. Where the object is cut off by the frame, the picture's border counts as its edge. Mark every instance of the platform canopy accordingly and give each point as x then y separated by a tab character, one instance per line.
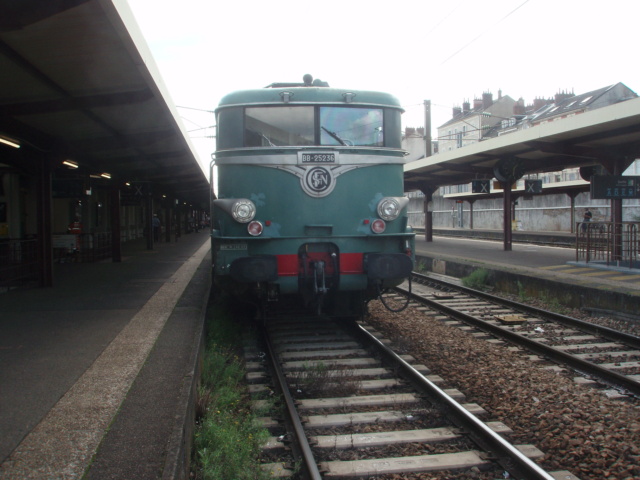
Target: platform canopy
608	136
78	82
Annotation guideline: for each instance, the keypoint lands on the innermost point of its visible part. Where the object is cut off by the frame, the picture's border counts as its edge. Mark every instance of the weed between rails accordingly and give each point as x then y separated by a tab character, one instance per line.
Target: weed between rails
321	380
228	437
478	279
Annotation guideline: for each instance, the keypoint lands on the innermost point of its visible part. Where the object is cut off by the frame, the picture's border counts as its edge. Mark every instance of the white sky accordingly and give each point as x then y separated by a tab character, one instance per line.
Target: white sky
444	51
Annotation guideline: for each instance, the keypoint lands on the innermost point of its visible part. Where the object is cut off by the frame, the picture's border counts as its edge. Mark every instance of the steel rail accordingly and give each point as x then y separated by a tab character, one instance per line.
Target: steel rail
509	457
606	332
604	374
301	438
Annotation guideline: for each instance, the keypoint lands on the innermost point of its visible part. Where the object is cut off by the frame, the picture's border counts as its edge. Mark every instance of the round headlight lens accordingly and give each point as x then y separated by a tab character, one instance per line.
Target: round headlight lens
243	211
388	209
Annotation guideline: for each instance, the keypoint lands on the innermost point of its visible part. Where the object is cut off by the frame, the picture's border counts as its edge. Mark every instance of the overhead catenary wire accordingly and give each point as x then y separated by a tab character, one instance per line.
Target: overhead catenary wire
472	41
201	128
199	109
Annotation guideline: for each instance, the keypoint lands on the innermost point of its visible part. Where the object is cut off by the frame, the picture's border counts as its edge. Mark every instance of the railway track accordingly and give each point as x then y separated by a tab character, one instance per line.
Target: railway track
355	409
601	355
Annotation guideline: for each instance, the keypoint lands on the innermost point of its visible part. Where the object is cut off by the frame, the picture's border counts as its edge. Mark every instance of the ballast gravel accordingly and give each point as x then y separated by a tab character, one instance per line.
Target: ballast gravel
578	427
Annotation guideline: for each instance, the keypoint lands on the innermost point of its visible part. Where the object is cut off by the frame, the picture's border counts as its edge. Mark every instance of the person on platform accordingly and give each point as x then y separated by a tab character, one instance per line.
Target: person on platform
586	217
156	228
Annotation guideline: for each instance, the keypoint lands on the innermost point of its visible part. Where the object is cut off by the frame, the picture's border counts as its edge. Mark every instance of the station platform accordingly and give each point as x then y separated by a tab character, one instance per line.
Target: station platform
97	373
557	239
533	268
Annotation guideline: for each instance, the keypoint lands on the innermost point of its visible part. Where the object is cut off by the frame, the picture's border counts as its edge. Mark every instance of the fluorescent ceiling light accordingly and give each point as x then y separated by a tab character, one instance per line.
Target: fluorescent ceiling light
70	163
10	141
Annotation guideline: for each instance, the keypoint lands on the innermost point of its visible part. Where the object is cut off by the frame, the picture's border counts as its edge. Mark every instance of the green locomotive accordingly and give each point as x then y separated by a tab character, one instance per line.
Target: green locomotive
310	203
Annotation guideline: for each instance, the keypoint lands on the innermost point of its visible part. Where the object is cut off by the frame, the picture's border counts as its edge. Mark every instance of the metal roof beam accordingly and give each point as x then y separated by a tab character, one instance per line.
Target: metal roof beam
119	140
567	149
76	103
17	15
468	169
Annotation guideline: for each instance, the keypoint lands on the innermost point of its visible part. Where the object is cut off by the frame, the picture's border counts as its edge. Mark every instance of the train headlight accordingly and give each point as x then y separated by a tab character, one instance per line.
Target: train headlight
243	210
378	226
389	208
255	228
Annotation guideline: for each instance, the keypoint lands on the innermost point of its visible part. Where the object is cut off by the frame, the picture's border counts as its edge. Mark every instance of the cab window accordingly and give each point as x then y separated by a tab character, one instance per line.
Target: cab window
308	125
278	126
351	126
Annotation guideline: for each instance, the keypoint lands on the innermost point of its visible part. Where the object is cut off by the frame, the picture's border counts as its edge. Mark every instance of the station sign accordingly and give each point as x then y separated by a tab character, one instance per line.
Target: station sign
480	186
532	186
134	193
67	188
614	187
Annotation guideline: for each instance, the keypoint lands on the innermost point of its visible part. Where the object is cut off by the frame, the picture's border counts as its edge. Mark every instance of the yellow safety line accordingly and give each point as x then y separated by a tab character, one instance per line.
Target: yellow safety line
579	269
626	277
600	273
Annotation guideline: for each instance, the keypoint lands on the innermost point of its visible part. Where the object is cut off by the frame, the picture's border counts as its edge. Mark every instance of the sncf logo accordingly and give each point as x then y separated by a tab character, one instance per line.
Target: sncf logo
318	181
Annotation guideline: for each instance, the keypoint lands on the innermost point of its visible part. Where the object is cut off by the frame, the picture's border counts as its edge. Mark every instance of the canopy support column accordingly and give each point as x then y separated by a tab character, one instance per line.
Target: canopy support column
619	166
428	190
471	202
167	224
116	221
572	212
149	221
45	224
506	212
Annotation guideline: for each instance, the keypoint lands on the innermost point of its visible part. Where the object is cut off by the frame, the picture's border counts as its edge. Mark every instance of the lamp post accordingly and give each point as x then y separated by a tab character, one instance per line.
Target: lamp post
427	128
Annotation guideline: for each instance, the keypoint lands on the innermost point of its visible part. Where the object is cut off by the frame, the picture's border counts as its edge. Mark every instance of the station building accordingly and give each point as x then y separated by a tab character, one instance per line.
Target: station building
566	192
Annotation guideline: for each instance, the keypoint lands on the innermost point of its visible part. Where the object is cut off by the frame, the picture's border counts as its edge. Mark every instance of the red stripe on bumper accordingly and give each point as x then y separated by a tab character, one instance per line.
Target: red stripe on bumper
350	264
287	265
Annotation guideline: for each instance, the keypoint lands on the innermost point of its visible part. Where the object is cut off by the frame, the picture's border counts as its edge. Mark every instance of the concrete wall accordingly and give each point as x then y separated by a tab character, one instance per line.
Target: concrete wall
542	213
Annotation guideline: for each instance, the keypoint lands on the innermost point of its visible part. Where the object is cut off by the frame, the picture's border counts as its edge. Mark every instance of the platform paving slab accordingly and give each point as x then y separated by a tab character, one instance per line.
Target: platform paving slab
59	437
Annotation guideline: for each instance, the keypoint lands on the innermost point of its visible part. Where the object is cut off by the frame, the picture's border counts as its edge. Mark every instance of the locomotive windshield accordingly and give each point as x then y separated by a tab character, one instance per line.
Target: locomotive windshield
351	126
296	126
278	126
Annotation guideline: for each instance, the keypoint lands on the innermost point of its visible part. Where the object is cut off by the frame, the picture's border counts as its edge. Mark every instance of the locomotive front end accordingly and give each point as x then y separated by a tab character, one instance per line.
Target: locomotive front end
310	202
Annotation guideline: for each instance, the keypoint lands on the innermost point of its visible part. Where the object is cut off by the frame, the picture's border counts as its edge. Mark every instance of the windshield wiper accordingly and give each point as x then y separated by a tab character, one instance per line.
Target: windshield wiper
267	139
335	136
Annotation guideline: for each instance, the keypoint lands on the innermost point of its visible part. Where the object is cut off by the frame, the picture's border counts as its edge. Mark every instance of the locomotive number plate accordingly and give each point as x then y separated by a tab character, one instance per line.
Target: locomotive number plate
328	157
233	246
